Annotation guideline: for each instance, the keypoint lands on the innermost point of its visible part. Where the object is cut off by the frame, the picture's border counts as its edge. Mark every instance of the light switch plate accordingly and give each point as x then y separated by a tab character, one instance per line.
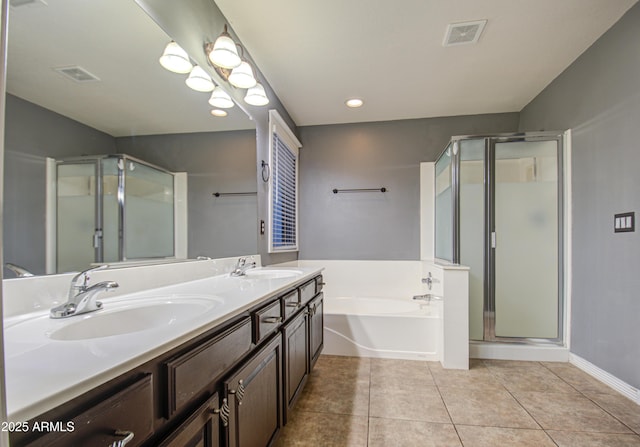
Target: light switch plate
624	222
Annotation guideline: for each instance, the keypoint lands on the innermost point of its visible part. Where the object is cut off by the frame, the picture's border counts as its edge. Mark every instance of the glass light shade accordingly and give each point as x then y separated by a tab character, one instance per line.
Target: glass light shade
242	76
199	80
220	98
224	53
256	96
175	59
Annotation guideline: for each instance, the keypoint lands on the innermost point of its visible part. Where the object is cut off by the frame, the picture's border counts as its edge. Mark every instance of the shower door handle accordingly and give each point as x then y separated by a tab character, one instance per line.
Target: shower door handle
97	237
493	239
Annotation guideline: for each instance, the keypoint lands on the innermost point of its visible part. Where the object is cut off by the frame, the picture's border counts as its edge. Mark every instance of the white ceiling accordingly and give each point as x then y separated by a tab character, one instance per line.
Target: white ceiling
116	41
316	54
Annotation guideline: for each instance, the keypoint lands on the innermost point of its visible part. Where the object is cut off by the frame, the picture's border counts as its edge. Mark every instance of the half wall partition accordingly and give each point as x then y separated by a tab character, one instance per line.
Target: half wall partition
499	211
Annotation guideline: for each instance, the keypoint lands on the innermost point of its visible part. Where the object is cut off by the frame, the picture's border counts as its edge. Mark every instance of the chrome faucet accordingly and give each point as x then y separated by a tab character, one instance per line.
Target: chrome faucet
20	272
82	298
242	266
426	297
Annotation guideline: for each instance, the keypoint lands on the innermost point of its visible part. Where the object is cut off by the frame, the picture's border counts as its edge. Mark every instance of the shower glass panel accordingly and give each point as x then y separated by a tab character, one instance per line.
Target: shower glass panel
472	228
526	246
444	207
148	212
76	215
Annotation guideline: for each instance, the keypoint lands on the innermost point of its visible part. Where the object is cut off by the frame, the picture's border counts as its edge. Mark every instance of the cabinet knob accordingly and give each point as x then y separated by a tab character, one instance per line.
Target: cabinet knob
240	392
272	320
128	436
224	412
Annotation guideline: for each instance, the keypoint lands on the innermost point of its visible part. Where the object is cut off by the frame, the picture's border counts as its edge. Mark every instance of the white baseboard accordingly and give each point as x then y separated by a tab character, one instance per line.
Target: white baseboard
603	376
508	351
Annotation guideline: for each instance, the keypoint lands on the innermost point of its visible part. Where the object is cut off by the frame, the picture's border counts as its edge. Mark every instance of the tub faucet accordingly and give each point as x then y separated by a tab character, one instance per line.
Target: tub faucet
242	266
426	297
82	298
20	272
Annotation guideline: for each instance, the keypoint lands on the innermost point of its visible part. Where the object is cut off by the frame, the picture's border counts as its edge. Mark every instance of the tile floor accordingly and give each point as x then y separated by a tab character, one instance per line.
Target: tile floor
352	401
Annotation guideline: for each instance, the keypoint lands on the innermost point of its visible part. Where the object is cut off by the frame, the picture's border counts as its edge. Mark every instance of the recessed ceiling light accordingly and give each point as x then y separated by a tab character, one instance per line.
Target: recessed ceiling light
354	103
218	112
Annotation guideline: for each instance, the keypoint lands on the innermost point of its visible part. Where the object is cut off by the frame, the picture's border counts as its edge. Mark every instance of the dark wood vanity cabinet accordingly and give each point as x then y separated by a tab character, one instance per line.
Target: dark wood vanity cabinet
316	329
296	357
253	396
231	386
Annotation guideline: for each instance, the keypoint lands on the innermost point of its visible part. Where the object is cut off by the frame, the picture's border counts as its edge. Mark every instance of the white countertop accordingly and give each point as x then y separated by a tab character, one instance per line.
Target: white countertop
43	373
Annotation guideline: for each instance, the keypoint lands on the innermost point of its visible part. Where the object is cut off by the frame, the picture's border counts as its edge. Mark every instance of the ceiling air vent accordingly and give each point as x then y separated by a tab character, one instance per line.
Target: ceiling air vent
77	73
463	33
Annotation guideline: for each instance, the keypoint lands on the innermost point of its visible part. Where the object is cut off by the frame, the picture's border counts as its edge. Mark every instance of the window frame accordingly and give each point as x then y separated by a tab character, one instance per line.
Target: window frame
279	127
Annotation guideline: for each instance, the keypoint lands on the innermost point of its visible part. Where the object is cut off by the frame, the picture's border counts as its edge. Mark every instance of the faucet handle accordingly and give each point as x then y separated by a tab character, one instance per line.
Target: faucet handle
84	276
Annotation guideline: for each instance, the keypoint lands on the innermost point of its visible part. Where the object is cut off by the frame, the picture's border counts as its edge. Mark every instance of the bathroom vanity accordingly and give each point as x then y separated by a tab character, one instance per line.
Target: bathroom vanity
231	382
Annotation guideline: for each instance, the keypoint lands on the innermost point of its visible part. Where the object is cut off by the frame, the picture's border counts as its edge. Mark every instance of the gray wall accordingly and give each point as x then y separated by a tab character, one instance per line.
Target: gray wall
33	133
373	155
215	162
598	97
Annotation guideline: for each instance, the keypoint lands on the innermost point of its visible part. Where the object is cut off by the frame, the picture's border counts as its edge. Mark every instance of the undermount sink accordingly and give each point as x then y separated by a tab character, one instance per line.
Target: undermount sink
263	273
126	317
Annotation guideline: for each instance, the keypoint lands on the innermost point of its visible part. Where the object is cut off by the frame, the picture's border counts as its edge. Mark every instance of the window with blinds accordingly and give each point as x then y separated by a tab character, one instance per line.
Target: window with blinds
283	201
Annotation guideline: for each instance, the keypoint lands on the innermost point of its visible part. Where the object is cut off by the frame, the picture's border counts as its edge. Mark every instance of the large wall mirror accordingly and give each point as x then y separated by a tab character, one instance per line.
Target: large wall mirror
83	78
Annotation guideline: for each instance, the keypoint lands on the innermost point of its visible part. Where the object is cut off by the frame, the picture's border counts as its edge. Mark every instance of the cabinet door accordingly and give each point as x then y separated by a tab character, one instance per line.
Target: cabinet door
254	398
296	357
201	429
316	328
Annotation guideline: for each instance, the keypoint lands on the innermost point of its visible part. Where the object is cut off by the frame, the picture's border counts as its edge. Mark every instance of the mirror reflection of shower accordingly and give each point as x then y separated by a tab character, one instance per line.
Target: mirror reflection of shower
105	209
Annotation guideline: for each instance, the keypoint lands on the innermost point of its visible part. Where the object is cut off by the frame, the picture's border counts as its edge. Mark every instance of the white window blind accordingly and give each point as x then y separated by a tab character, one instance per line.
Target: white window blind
283	203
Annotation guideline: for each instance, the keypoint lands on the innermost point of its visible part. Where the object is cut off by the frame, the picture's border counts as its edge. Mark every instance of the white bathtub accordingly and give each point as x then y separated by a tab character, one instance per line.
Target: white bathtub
383	328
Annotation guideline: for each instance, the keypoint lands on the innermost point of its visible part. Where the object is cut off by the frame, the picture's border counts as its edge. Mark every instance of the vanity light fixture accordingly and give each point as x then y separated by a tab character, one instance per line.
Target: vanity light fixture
219	113
234	68
175	59
256	96
199	80
223	52
220	98
354	103
242	76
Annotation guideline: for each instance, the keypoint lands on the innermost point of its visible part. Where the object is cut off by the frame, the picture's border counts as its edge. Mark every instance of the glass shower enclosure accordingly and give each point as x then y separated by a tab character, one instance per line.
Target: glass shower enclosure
111	208
499	211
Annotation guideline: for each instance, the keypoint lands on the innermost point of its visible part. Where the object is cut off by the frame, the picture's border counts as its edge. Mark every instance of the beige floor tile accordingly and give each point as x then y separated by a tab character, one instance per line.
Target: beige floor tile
473	436
400	374
578	379
478	376
510	364
582	439
485	407
420	404
532	379
342	368
339	396
395	432
571	412
323	429
625	410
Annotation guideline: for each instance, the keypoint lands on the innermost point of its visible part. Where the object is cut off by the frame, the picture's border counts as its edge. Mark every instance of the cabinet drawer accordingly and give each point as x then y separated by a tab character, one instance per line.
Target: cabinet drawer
189	373
291	303
307	291
127	411
201	429
266	320
319	283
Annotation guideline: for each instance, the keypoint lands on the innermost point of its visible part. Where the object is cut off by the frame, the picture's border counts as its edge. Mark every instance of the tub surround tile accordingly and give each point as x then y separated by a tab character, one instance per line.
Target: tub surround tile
485	407
474	436
572	412
623	409
396	432
420	404
582	439
324	429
